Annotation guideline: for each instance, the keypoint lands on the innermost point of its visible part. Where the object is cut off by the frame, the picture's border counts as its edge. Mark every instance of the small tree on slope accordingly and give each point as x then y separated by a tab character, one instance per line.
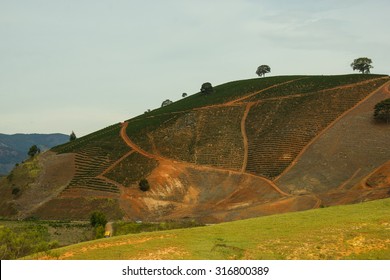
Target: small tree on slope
382	111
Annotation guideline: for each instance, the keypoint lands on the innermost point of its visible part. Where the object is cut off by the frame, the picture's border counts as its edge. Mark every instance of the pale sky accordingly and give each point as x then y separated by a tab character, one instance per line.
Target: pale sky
82	65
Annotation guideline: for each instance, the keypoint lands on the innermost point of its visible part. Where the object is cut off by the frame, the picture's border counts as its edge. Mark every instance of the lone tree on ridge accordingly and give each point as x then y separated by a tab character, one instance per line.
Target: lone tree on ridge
72	136
207	88
262	70
33	150
166	103
362	64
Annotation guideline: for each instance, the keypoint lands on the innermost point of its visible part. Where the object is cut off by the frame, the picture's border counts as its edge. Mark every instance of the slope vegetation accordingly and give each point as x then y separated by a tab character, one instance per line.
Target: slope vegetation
245	150
357	231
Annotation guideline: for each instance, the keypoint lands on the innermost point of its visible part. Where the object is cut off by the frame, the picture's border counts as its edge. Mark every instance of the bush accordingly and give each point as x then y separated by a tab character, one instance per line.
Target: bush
15	191
166	103
33	150
144	185
382	111
20	242
207	88
99	231
72	136
98	219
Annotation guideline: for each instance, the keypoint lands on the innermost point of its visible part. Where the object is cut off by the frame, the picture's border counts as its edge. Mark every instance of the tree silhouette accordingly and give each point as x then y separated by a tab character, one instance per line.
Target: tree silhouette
207	88
33	150
262	70
362	64
72	136
382	111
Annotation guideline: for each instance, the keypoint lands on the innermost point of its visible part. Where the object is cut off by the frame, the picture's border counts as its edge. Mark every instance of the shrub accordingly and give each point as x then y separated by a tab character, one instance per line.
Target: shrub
166	103
99	232
15	191
207	88
33	150
144	185
72	136
98	219
23	241
382	111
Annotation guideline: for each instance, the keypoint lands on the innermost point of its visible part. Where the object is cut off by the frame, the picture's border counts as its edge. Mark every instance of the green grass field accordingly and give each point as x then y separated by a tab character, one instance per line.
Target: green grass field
360	231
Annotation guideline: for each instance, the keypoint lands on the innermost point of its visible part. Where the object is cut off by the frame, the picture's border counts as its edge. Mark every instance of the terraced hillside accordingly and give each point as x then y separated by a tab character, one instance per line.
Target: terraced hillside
243	151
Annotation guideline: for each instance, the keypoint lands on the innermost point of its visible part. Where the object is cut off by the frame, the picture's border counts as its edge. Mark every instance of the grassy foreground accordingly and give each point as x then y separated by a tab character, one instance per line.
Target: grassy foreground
360	231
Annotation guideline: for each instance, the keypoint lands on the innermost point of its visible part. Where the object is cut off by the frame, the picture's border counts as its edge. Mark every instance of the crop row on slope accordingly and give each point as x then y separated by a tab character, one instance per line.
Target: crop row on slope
219	139
88	167
279	129
209	136
94	154
96	138
139	128
132	169
311	84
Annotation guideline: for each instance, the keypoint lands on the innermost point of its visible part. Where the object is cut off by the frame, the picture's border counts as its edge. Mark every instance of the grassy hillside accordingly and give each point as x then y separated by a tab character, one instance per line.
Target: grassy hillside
359	231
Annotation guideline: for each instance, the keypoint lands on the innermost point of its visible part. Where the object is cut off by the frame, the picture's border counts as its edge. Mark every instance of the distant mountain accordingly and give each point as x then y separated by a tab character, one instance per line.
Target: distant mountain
14	148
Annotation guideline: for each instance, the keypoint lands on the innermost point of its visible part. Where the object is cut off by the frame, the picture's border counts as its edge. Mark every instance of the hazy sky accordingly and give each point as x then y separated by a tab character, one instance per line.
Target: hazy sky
85	64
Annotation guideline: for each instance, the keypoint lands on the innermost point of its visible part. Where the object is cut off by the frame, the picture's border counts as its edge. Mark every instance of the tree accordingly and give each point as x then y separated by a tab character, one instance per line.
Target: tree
166	103
72	136
184	95
144	185
15	191
207	88
33	151
362	64
382	111
98	219
262	70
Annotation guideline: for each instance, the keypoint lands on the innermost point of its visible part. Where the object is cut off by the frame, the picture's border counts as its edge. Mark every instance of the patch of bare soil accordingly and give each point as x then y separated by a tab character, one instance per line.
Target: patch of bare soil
55	173
380	178
78	208
336	163
111	244
183	191
169	253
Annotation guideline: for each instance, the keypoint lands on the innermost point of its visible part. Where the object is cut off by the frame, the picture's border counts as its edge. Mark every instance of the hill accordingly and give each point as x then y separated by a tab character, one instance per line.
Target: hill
358	231
14	148
251	148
